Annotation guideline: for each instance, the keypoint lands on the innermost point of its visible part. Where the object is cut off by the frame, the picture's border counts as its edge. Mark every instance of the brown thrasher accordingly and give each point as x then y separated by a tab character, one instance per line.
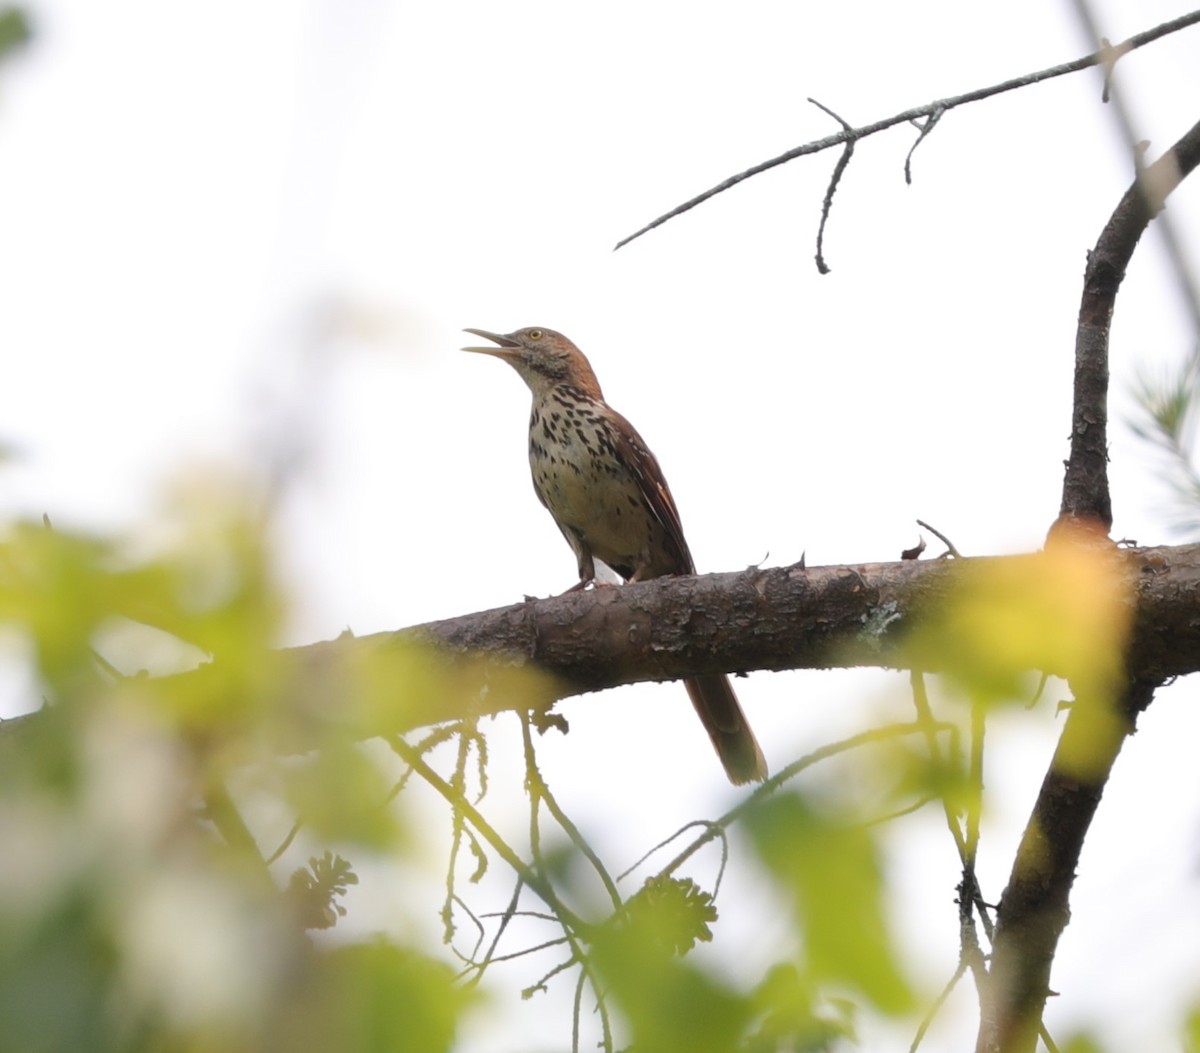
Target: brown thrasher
608	496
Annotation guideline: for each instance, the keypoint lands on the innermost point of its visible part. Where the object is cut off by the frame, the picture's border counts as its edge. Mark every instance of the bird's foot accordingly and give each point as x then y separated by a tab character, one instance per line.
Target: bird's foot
584	583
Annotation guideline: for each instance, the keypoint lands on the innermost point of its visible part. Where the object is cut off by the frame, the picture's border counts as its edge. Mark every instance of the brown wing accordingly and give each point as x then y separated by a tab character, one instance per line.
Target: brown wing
653	485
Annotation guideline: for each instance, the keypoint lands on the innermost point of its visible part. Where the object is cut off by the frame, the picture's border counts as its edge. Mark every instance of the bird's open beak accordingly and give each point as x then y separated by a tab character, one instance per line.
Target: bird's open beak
509	349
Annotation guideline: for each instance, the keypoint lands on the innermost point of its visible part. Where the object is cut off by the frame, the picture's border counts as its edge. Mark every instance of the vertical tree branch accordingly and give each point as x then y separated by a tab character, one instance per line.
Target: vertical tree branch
1035	907
1085	484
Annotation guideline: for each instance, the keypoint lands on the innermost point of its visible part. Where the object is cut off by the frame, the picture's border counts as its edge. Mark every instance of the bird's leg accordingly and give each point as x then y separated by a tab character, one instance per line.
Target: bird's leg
640	572
587	572
587	565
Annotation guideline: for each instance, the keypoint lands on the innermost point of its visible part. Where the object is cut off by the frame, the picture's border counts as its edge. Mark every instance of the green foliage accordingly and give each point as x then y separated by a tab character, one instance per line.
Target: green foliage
141	911
1065	610
15	30
795	1018
1083	1043
373	998
1191	1030
340	792
1166	420
830	867
137	911
668	1004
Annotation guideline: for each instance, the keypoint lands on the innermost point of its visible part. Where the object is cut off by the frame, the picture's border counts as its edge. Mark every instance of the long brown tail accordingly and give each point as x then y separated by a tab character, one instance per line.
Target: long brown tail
726	724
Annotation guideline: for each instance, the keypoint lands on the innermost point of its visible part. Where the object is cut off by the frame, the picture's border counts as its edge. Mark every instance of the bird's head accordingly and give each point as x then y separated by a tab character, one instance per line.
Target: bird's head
545	359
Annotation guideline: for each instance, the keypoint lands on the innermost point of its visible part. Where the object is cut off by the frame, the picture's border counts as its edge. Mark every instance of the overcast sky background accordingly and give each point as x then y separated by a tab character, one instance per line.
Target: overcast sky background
249	234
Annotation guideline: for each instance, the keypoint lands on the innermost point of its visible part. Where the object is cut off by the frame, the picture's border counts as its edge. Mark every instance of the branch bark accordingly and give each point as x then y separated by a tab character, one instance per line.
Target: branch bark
776	618
1034	909
1085	484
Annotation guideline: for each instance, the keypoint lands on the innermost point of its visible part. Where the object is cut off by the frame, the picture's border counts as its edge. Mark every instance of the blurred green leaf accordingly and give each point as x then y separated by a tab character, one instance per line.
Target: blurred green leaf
373	998
668	1005
916	776
1081	1043
340	793
1065	610
15	29
830	868
55	590
1191	1030
794	1019
1166	419
53	970
126	923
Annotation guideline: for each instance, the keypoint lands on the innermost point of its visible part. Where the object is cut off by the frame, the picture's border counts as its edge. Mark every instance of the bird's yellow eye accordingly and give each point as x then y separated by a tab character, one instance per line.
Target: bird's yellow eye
536	334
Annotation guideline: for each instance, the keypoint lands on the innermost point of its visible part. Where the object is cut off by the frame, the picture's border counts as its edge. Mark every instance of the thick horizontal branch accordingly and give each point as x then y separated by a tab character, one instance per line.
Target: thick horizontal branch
777	618
789	618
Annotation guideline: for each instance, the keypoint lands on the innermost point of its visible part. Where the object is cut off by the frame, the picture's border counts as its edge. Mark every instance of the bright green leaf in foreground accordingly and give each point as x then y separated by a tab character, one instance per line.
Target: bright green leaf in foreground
831	868
669	1005
137	911
373	998
1064	611
795	1018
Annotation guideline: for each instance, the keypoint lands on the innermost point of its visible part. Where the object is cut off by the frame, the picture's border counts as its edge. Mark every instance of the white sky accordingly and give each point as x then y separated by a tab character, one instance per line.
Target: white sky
252	232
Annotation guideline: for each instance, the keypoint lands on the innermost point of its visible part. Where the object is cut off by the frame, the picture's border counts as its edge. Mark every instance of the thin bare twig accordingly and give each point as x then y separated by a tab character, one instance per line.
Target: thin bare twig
540	985
538	792
900	813
459	832
1120	111
286	843
717	827
574	928
489	956
938	1002
938	107
970	897
950	549
456	800
925	128
513	956
962	842
712	832
470	958
834	180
